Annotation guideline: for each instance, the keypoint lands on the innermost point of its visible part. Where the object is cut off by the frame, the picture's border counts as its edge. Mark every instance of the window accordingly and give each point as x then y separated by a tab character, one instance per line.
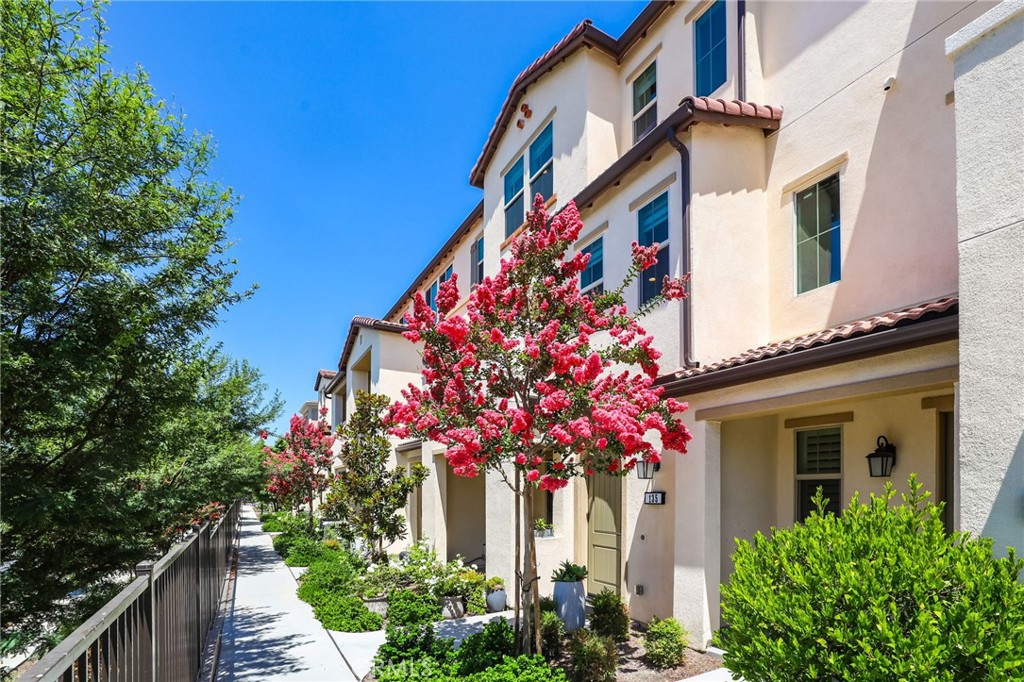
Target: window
476	258
645	102
592	279
433	289
710	49
817	235
653	229
514	201
819	455
542	179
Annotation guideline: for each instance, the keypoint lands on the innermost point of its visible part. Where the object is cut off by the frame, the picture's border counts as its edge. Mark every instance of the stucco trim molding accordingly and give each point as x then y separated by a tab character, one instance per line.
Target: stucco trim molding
818	420
1004	12
820	173
646	197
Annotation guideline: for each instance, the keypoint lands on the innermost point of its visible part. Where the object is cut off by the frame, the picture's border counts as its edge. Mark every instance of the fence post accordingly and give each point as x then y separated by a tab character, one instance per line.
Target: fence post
145	568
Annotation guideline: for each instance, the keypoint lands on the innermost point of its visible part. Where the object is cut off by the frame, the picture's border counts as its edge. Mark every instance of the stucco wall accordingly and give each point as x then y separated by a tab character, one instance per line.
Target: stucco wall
989	61
466	510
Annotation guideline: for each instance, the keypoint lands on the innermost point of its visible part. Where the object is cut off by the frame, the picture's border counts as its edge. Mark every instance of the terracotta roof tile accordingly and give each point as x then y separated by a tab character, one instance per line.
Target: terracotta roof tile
735	108
842	332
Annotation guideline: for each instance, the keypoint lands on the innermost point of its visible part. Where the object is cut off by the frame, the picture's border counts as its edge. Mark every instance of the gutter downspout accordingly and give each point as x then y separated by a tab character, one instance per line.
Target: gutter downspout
685	190
741	50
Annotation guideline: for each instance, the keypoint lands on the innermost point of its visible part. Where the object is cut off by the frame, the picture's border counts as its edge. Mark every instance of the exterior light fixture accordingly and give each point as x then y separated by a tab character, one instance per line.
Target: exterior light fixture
645	470
881	461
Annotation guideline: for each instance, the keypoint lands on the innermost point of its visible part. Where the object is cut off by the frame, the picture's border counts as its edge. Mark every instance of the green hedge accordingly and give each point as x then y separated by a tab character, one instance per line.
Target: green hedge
879	592
346	614
665	643
518	669
406	607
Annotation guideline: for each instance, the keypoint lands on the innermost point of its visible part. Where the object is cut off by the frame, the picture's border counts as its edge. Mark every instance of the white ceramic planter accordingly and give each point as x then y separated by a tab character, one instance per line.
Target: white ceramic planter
496	601
571	604
452	607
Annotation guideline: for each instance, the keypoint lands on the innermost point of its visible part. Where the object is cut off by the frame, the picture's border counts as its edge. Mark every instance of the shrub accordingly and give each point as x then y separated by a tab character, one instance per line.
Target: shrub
610	617
305	551
346	613
552	632
424	669
665	643
592	657
333	573
273	522
476	599
877	592
548	604
485	649
494	584
405	607
410	642
520	669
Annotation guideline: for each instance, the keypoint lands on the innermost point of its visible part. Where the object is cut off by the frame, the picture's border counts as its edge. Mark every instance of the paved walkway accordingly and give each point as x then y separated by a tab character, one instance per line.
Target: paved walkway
269	633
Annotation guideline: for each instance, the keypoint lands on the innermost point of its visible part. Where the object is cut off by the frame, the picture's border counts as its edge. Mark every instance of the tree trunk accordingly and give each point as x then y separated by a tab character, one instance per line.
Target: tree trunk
518	589
531	631
531	540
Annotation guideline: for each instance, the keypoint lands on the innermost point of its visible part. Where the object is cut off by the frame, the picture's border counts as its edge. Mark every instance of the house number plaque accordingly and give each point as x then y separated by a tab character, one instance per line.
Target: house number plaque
657	497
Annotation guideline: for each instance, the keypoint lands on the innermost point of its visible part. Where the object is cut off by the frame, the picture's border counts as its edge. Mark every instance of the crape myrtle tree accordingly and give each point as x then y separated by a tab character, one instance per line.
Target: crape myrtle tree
118	418
538	382
366	495
299	471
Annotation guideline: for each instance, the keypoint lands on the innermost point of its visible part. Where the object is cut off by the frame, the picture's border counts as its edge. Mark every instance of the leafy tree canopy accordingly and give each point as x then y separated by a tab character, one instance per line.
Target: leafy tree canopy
118	419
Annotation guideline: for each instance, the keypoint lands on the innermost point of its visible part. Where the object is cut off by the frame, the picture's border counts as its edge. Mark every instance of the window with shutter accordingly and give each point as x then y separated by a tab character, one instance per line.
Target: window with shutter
819	463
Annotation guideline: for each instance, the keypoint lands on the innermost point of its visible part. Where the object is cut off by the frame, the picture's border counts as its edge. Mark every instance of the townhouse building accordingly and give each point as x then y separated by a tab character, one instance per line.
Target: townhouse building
798	160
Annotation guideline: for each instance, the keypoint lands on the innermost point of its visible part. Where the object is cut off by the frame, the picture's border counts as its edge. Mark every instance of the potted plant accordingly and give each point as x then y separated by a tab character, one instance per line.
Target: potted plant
496	597
451	591
570	598
543	529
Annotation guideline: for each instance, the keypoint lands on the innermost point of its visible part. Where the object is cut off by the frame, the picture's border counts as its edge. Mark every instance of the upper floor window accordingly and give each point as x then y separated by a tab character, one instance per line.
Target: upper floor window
476	258
819	464
645	102
652	221
540	157
817	235
710	49
592	278
436	285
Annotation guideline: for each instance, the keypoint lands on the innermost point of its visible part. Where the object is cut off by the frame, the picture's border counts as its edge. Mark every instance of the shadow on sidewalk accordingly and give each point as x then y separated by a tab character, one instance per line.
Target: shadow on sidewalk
271	658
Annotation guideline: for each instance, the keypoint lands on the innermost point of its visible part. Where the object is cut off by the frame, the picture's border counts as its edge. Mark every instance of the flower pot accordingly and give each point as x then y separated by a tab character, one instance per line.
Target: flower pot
496	601
571	604
546	533
377	605
452	607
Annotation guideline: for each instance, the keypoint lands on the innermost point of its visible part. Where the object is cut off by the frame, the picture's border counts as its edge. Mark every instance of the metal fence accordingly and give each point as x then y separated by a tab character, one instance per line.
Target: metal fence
155	629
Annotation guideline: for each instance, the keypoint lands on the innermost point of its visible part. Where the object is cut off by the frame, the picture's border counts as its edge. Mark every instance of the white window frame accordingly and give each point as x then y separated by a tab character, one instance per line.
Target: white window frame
435	286
657	192
797	476
477	272
521	193
818	178
652	103
549	164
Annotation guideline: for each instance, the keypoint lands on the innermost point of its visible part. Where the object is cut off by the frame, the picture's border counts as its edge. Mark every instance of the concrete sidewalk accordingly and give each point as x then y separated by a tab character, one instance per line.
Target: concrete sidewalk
269	633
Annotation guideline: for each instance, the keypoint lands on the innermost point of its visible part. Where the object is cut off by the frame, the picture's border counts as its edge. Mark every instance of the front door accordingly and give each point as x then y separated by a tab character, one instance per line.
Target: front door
604	516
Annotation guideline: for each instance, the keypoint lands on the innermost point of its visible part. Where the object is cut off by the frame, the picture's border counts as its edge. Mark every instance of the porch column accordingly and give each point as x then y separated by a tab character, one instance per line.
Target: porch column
697	532
435	527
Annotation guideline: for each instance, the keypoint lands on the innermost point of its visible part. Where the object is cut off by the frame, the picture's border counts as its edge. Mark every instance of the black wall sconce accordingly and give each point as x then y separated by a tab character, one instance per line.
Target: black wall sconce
881	461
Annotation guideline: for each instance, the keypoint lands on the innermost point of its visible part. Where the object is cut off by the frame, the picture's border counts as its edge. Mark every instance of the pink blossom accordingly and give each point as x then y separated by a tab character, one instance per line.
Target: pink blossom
532	475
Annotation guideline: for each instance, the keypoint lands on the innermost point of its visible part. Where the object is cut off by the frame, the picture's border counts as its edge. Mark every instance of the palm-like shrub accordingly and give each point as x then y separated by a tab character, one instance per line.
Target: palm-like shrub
879	592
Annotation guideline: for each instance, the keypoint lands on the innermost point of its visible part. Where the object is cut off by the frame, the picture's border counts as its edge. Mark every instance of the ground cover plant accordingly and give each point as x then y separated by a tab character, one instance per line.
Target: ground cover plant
880	591
520	384
273	522
346	613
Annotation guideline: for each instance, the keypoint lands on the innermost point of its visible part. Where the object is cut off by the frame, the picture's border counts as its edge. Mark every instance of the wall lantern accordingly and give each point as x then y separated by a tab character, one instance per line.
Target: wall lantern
880	461
645	470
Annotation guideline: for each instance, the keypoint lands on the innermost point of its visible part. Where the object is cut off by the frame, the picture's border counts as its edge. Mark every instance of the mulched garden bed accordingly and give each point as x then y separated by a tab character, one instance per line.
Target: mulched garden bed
633	667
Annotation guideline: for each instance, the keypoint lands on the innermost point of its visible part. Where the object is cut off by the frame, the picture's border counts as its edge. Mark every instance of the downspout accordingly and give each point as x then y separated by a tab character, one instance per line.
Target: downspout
741	50
687	303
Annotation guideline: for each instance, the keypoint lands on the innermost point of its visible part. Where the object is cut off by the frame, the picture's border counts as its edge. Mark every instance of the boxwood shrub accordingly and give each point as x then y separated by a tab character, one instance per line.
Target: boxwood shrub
518	669
346	613
665	643
610	617
880	592
406	607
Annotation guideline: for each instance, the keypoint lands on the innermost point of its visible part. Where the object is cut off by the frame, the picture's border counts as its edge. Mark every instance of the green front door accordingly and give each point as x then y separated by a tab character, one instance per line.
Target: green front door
604	516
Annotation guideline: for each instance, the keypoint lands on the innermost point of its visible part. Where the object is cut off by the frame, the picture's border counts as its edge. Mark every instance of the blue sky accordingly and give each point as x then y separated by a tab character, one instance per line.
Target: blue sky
349	129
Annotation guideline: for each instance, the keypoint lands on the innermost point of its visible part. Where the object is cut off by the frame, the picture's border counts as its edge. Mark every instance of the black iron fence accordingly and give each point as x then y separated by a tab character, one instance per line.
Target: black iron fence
155	629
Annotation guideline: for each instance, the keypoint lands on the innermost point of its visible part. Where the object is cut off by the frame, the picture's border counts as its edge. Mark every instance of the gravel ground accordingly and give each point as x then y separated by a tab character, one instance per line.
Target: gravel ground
633	667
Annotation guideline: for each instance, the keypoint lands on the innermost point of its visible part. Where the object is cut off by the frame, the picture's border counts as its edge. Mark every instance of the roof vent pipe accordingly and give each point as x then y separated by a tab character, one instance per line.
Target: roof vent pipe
686	303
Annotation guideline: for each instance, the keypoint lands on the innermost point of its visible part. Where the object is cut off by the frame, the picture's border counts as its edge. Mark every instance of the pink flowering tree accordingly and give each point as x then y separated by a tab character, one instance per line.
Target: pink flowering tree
538	382
300	472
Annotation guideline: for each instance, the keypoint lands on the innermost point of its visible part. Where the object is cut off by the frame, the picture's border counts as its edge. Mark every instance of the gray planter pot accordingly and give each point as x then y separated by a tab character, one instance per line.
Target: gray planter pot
546	533
377	605
571	604
452	607
496	601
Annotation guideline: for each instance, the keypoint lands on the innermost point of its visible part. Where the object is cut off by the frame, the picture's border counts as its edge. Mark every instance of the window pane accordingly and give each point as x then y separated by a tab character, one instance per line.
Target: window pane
818	235
645	88
645	123
540	150
447	274
652	279
806	266
513	180
819	451
543	184
653	221
432	296
595	268
807	214
825	258
806	489
514	216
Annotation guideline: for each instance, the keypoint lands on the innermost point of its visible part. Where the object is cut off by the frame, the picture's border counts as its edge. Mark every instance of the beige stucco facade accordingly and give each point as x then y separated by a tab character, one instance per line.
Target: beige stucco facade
866	89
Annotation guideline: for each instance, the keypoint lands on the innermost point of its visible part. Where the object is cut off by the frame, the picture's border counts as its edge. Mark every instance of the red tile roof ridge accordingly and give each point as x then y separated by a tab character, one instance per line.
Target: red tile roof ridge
836	333
735	107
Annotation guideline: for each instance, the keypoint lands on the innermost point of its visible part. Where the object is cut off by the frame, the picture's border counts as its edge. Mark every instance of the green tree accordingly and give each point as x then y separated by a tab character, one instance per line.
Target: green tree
366	495
117	418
